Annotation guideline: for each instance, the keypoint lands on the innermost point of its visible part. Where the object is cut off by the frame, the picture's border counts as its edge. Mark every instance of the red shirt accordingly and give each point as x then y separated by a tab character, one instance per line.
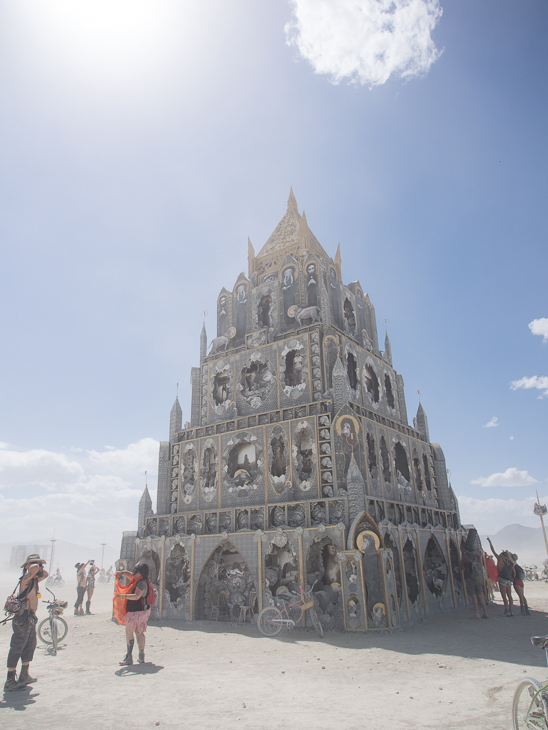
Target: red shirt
492	570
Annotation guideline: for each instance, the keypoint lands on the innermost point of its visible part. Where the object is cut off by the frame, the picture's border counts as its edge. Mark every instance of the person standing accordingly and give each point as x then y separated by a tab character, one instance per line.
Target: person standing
473	577
23	640
518	585
137	611
90	584
507	574
492	576
81	587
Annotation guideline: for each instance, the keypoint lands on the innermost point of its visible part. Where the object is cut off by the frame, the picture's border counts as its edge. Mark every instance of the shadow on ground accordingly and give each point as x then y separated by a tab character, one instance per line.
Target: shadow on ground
134	669
501	638
19	700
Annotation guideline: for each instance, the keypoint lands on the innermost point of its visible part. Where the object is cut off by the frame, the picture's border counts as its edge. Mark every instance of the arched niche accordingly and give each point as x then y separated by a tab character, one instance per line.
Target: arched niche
151	558
278	459
189	475
362	522
411	572
256	380
281	566
209	472
323	572
391	544
224	585
435	568
177	574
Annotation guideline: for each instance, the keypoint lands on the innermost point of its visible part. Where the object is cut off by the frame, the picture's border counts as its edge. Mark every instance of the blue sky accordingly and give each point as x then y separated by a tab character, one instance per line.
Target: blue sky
142	143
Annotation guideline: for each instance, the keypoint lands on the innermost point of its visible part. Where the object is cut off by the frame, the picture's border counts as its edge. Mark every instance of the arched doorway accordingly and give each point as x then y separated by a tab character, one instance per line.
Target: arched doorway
323	570
435	568
153	561
391	545
411	573
225	584
177	575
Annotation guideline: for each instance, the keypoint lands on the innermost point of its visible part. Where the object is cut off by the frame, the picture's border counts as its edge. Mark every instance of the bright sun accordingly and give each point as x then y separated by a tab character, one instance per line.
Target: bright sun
108	41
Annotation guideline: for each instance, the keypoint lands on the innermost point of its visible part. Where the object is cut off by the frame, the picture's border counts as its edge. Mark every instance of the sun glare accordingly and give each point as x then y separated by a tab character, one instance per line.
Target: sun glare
109	41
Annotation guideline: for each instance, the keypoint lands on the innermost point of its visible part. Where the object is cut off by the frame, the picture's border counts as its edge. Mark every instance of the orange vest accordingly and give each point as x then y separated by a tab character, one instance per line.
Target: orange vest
119	605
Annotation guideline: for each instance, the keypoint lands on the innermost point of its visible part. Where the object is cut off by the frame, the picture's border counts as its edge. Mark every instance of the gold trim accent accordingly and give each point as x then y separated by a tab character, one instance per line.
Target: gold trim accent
450	567
192	579
162	572
260	559
403	578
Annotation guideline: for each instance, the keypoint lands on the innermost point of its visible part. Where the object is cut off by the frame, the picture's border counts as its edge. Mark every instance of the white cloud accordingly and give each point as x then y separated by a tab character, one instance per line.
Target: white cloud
509	478
493	423
490	515
83	495
365	41
540	327
536	382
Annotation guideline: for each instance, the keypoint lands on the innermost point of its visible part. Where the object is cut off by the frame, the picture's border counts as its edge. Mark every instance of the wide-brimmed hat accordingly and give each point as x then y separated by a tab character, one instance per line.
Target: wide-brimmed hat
513	557
34	558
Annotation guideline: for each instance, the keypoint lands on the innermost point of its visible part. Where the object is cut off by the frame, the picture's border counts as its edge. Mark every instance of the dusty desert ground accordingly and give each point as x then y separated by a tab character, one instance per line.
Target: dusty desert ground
451	671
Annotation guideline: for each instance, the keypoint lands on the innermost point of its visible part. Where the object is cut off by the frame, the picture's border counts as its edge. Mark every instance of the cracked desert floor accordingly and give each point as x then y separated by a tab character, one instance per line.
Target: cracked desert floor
451	671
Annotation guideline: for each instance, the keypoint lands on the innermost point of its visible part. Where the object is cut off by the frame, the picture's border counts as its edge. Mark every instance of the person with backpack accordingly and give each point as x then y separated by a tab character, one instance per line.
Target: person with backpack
138	596
518	585
507	574
474	577
23	639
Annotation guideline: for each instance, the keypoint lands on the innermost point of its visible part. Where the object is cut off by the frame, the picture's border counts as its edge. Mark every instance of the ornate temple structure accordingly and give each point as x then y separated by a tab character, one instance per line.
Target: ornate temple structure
298	466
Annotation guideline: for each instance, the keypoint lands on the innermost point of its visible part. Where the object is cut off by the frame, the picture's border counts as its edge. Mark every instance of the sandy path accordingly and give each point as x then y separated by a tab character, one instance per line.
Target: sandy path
451	671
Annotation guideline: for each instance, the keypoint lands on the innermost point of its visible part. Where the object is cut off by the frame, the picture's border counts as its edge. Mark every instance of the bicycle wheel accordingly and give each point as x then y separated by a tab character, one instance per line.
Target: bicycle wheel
529	709
265	622
45	632
53	631
316	621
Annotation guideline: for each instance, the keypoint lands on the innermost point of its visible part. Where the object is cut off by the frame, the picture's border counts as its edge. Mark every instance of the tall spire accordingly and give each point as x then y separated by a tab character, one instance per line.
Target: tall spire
145	510
250	258
387	349
203	343
422	422
175	420
292	202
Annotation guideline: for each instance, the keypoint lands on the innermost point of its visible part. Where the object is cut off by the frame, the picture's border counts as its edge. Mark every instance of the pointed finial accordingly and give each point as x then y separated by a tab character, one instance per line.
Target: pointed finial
177	396
338	259
250	249
419	394
146	478
292	202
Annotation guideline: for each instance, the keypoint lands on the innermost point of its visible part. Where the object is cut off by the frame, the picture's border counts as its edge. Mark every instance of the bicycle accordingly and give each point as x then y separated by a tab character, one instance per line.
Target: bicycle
530	702
53	629
273	619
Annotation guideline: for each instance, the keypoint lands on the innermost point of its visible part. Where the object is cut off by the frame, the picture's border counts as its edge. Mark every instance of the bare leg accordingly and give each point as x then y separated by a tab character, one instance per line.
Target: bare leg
483	605
475	604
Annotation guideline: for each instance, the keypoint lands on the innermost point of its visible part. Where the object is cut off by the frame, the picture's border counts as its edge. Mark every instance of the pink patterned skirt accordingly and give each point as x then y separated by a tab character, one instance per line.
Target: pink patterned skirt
138	620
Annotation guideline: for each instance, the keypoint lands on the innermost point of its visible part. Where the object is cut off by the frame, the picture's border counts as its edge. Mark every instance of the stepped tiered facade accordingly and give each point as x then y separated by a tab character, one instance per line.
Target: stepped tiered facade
298	466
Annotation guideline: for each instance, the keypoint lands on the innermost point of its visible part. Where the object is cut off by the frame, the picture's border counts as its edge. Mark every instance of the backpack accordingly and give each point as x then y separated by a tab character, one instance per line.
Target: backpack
151	596
506	572
476	570
520	573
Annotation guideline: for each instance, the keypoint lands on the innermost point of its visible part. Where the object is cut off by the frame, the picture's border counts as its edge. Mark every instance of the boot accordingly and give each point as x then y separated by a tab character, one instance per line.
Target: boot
522	610
80	611
127	661
526	612
141	657
24	677
76	611
88	604
11	684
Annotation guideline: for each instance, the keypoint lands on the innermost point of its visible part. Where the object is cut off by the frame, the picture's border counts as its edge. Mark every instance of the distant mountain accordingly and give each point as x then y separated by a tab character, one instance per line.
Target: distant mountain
65	556
527	542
